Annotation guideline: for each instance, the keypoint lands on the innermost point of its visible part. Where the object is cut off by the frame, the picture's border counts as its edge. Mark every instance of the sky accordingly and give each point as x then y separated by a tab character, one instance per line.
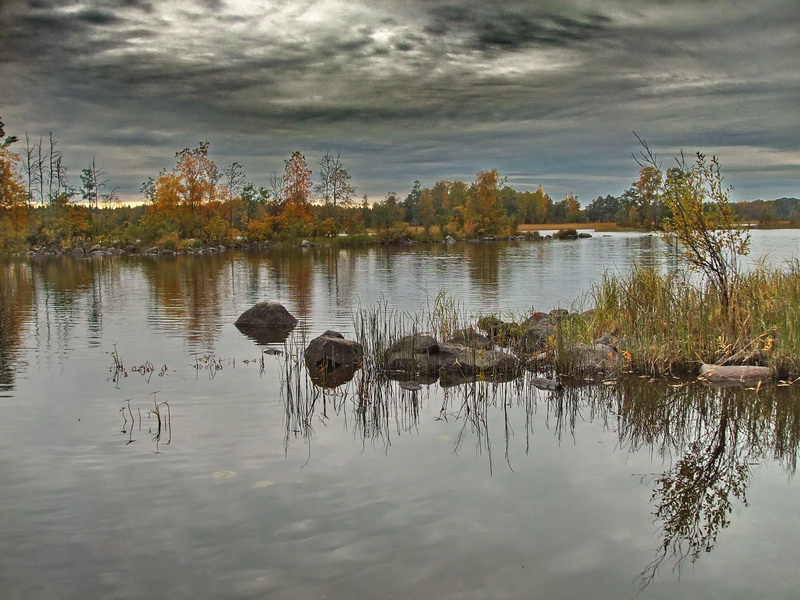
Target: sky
547	92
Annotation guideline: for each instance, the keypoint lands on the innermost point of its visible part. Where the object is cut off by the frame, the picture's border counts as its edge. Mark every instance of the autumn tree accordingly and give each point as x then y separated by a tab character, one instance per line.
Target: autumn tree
647	195
334	186
13	207
484	209
197	175
427	211
177	197
297	195
411	204
702	220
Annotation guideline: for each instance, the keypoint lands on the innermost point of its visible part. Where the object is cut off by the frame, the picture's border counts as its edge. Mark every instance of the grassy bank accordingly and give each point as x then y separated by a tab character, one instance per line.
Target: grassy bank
667	324
656	324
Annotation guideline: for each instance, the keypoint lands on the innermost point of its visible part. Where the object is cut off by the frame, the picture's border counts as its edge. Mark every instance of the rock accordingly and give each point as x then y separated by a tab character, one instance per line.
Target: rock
421	354
449	240
473	361
305	244
267	314
330	379
734	374
470	337
595	359
331	351
419	343
500	331
97	248
77	251
535	332
584	235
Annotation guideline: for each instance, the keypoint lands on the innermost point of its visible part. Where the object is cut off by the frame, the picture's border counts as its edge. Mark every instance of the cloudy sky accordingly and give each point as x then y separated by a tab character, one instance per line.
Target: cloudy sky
547	92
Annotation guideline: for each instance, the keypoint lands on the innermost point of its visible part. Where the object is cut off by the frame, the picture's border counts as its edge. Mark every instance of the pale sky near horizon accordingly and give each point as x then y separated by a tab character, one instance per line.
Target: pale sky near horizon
547	92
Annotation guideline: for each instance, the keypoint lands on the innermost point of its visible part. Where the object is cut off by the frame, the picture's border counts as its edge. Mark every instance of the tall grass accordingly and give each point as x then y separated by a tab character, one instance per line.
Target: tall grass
668	323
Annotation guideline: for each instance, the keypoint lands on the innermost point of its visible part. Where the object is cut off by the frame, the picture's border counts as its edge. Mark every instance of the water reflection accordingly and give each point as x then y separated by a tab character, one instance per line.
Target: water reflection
188	293
16	301
711	439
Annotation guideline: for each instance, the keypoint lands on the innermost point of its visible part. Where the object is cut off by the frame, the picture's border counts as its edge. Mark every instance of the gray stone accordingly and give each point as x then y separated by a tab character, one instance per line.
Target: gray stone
419	343
331	351
470	337
421	354
535	334
267	314
595	359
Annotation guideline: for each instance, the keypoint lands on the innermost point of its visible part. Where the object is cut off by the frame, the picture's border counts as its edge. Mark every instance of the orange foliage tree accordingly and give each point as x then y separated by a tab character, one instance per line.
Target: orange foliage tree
177	198
484	214
296	210
13	206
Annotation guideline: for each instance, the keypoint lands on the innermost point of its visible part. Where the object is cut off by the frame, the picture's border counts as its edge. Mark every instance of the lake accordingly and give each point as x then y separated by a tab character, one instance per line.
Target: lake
148	448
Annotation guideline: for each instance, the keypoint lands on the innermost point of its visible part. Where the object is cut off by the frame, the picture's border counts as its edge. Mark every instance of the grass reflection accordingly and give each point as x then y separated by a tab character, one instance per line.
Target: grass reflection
709	439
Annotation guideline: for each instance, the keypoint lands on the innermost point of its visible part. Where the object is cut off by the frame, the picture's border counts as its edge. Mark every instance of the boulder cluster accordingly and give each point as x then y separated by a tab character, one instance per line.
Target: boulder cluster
498	351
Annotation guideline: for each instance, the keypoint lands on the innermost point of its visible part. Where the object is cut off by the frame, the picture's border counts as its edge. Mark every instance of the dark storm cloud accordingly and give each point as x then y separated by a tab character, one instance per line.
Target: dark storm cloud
410	89
487	26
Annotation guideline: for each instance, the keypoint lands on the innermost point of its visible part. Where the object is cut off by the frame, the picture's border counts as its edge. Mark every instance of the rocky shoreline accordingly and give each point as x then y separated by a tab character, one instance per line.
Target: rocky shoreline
101	250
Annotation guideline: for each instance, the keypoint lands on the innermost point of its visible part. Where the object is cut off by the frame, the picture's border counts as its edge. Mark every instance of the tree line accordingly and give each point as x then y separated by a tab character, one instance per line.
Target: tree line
198	202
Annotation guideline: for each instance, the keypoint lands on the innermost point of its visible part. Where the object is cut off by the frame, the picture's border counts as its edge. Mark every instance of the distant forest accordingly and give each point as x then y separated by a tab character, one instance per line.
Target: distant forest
200	203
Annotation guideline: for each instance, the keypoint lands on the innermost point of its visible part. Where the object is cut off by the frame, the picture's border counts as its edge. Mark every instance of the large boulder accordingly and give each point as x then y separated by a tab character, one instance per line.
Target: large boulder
267	314
331	351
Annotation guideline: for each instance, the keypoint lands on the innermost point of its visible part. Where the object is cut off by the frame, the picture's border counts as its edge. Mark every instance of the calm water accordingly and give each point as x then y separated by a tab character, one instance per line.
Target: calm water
475	491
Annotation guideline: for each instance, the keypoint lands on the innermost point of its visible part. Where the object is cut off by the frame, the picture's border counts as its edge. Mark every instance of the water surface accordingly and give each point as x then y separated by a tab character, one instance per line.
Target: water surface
475	491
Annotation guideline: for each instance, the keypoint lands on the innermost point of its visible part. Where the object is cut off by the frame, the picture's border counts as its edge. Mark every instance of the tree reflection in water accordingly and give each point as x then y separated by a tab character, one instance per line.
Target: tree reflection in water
711	437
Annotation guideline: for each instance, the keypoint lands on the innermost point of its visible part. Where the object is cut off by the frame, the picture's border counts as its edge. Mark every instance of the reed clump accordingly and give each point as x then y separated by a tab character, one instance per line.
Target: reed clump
668	323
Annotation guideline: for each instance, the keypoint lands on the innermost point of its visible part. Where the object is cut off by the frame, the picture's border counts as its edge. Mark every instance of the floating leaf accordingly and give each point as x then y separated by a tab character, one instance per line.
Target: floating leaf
224	474
443	438
260	485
